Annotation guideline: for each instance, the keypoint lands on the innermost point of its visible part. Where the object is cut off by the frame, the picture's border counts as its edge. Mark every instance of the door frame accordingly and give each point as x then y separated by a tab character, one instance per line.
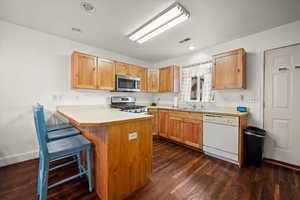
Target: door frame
262	82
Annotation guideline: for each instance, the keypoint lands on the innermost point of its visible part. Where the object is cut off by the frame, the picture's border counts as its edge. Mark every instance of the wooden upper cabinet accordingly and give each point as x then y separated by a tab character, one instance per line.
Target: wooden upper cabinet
143	76
229	70
92	72
141	73
134	71
106	74
153	80
84	71
122	68
169	79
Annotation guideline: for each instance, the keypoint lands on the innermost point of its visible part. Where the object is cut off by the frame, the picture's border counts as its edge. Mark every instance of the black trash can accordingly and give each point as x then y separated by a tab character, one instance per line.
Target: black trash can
254	143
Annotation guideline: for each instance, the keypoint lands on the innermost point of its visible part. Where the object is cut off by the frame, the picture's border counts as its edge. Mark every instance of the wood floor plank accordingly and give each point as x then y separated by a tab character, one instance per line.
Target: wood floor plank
178	174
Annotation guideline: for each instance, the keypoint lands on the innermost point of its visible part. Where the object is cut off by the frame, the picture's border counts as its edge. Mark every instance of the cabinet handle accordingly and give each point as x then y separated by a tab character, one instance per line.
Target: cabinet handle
297	67
238	70
283	69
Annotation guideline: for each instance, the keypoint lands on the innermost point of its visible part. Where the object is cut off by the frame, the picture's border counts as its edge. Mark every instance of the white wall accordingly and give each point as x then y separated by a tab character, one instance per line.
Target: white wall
35	67
255	45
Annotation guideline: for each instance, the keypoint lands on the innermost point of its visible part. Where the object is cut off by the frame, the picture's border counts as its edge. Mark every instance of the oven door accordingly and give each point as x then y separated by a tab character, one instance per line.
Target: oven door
127	83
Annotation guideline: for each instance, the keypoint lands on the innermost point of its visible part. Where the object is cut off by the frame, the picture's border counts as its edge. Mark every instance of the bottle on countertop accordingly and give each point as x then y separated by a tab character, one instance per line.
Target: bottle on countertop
175	101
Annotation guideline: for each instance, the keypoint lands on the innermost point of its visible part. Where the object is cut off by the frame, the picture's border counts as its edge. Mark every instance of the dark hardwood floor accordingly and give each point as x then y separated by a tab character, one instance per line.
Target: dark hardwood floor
178	173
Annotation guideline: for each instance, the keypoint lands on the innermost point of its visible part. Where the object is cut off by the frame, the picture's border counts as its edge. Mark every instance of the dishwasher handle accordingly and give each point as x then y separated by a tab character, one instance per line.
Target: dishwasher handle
211	115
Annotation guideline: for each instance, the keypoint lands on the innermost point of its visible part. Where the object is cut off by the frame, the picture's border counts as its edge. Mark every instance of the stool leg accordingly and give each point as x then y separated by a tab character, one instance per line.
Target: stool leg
40	176
79	162
89	170
44	180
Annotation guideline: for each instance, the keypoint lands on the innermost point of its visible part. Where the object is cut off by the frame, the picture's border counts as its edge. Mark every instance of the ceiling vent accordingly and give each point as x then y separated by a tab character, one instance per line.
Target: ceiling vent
76	30
184	40
87	7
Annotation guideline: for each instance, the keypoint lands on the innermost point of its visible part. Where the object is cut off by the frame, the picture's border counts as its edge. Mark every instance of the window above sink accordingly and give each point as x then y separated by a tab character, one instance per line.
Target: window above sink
197	84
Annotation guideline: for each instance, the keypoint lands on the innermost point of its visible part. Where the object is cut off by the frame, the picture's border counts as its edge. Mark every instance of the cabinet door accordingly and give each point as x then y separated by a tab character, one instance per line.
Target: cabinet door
163	116
165	76
141	73
84	71
143	76
134	71
106	74
154	113
193	133
229	70
169	79
176	79
122	68
153	80
175	129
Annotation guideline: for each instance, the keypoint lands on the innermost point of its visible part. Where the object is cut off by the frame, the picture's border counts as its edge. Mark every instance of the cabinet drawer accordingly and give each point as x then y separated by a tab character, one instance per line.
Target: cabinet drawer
194	121
178	114
186	115
196	116
152	109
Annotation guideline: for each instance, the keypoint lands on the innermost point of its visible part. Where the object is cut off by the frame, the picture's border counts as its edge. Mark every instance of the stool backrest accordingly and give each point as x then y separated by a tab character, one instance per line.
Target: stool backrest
41	129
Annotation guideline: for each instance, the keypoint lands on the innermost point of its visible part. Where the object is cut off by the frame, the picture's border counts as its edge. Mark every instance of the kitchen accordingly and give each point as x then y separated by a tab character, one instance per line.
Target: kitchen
195	94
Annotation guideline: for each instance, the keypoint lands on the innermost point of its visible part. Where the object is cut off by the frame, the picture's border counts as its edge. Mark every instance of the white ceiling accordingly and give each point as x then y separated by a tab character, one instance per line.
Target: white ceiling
212	22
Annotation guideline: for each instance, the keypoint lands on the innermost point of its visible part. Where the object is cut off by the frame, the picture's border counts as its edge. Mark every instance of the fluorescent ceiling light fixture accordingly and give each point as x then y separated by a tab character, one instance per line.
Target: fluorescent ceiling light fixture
163	28
167	19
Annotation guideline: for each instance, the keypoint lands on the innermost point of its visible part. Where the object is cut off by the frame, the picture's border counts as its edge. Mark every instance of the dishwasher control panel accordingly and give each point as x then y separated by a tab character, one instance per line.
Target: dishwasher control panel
221	119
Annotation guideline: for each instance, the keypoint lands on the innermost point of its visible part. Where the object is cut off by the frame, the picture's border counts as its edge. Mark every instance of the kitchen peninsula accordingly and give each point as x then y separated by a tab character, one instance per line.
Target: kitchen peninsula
122	156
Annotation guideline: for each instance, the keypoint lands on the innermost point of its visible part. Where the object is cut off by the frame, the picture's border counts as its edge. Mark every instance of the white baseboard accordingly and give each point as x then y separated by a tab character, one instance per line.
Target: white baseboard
12	159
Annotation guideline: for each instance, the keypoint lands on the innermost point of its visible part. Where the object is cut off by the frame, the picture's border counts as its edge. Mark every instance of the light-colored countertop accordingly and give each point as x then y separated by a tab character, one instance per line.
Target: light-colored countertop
206	109
97	115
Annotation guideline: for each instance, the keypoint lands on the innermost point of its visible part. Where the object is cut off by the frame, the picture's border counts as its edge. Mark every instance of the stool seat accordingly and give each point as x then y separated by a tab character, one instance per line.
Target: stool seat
67	146
62	133
54	127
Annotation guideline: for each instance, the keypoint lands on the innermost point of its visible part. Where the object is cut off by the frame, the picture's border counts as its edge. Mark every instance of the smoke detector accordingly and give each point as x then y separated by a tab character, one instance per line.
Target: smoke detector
87	7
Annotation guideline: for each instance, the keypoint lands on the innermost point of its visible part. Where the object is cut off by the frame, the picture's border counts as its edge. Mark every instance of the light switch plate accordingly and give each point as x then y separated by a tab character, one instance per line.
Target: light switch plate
132	136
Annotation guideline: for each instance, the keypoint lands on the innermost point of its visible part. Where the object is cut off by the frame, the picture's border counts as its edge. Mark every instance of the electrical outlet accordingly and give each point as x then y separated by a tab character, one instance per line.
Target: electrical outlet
132	136
251	100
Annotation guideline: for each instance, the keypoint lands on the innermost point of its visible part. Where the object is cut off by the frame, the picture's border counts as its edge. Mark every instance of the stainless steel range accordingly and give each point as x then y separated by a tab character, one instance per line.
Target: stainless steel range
127	104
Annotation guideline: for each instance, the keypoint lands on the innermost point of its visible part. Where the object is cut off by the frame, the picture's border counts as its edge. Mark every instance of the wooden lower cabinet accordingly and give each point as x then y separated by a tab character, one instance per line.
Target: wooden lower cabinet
163	119
154	113
182	126
175	129
192	132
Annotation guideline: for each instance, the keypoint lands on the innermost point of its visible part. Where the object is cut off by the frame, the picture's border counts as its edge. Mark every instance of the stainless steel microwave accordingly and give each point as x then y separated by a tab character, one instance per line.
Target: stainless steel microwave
127	83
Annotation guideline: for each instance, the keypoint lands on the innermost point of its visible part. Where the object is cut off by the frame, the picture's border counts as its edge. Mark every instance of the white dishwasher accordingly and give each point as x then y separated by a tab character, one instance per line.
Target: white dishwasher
221	137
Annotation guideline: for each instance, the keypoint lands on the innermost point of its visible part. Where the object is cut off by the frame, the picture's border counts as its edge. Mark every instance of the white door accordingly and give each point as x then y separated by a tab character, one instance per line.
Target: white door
282	104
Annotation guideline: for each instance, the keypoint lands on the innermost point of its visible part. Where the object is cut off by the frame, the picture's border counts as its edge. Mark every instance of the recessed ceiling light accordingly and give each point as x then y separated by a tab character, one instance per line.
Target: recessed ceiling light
191	47
165	20
76	30
87	7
